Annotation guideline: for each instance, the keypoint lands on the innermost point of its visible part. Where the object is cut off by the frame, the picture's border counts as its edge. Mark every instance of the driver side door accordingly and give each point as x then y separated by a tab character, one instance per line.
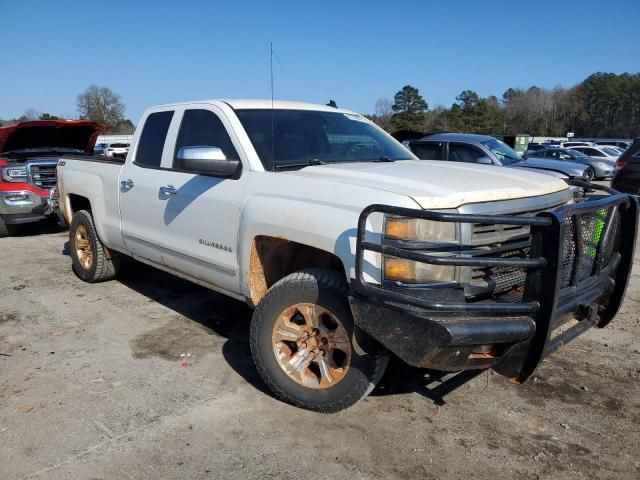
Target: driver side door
199	214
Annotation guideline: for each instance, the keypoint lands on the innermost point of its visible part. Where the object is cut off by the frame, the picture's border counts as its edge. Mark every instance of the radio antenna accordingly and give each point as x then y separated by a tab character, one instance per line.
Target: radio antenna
273	159
271	69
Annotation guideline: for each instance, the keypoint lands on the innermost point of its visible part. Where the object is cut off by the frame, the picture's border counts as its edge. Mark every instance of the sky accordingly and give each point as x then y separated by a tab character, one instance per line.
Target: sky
355	52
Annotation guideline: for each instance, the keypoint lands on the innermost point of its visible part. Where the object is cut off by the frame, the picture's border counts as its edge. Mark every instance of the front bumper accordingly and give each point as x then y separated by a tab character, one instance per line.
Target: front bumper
572	283
23	206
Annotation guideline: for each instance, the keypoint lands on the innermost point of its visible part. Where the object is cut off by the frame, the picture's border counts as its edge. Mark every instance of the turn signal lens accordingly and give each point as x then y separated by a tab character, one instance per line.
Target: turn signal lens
408	271
404	228
398	269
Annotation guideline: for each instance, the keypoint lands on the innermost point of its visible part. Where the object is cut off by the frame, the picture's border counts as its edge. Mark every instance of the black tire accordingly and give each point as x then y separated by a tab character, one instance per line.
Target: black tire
327	289
6	230
589	174
104	266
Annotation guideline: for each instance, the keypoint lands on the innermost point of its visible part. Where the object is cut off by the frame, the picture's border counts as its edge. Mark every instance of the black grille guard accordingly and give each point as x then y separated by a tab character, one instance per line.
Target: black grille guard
566	273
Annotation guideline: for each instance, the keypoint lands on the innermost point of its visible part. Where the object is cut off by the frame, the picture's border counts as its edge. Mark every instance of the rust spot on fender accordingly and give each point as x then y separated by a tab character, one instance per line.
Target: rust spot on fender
257	282
273	258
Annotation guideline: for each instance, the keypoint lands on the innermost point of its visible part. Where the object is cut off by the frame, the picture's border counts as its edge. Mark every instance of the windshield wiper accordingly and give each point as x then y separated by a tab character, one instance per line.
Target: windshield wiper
315	162
310	163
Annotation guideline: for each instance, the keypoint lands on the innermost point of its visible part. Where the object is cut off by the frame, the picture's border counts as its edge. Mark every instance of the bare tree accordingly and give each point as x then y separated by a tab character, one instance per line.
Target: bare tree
102	105
30	114
383	113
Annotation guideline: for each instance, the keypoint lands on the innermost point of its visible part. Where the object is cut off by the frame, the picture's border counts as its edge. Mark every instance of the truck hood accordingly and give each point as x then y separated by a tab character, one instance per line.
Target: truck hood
40	134
436	184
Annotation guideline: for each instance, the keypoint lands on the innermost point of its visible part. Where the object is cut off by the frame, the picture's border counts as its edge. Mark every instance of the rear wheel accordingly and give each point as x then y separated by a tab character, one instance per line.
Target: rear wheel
91	260
302	343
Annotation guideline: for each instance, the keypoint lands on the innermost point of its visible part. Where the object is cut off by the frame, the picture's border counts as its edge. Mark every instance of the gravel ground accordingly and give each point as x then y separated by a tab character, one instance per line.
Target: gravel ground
151	377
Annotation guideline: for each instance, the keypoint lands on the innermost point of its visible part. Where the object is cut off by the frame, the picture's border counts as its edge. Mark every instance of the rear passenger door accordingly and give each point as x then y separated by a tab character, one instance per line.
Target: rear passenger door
199	214
139	188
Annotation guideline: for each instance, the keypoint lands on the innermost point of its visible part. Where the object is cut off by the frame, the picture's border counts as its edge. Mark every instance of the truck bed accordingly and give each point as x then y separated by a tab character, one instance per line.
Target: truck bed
96	178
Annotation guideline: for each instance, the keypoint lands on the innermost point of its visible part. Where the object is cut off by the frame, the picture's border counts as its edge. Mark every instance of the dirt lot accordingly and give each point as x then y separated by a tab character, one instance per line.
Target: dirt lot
93	385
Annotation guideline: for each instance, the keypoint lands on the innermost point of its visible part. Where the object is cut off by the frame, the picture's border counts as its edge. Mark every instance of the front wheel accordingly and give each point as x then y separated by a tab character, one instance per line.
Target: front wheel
302	343
589	174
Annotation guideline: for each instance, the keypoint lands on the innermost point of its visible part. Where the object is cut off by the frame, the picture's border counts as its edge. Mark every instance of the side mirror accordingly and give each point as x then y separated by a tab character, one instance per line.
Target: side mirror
485	161
206	161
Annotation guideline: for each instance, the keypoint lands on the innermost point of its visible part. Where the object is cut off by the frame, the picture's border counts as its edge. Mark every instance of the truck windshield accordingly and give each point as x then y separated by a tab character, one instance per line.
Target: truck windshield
298	138
505	154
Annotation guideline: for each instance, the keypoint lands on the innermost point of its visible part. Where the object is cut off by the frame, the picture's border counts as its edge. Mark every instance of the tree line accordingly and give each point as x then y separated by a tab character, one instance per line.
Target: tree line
97	104
602	105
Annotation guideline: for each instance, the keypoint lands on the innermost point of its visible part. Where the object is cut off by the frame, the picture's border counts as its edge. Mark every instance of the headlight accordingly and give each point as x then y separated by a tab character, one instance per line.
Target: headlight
14	174
418	231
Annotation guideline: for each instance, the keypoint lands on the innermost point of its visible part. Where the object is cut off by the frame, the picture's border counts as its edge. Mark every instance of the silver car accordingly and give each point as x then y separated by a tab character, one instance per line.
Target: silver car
471	148
596	167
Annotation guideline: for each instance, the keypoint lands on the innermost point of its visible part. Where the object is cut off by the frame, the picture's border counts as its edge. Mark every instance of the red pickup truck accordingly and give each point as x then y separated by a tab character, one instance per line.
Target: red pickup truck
29	154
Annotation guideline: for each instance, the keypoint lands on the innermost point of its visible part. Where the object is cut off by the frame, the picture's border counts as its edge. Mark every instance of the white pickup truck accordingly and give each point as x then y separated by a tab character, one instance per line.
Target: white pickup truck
348	246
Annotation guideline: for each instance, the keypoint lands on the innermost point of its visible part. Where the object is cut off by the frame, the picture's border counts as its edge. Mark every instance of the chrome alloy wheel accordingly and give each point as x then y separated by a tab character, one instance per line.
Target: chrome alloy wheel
311	345
84	251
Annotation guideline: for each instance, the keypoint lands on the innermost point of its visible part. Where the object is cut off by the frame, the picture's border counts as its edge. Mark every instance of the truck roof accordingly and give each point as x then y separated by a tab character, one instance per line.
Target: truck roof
242	103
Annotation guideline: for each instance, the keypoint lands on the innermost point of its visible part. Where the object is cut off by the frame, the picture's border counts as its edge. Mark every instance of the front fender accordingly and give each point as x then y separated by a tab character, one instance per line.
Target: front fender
327	225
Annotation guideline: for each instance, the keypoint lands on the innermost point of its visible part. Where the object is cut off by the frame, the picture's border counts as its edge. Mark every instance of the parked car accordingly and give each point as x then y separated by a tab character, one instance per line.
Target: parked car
598	168
116	150
613	143
598	152
534	147
570	144
348	246
98	149
29	152
620	150
627	177
483	149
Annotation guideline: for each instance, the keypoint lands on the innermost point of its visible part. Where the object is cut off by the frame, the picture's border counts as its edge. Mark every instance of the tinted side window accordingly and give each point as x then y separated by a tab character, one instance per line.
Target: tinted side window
465	153
203	128
428	150
151	142
593	152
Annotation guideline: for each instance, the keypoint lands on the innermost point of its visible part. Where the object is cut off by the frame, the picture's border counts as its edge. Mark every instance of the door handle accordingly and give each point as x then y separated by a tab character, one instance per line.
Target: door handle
126	184
168	190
